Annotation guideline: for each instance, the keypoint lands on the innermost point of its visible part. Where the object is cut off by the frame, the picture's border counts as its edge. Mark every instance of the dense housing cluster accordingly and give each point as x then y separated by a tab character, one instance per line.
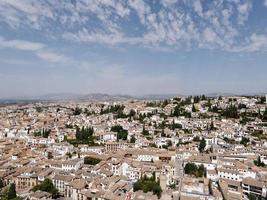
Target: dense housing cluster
194	147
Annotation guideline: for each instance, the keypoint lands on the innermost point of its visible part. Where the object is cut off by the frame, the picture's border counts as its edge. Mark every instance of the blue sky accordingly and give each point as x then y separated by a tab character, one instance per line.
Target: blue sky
132	46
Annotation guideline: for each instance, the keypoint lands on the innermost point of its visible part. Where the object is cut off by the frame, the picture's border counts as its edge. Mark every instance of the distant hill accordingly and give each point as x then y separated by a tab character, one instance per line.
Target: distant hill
158	96
105	97
70	96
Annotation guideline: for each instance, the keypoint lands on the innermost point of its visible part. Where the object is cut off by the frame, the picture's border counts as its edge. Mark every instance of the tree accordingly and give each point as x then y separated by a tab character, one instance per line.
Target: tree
212	127
177	111
203	97
69	155
39	109
196	139
144	131
258	162
244	141
202	145
193	169
169	143
85	135
264	116
230	112
262	100
175	125
133	139
208	104
91	161
252	196
190	168
157	190
49	155
77	111
201	171
165	103
11	194
121	133
194	108
148	184
46	133
1	183
46	186
132	113
196	99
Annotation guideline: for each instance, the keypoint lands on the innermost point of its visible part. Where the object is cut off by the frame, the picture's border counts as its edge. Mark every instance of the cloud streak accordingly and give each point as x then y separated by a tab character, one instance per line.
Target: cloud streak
52	57
21	45
39	49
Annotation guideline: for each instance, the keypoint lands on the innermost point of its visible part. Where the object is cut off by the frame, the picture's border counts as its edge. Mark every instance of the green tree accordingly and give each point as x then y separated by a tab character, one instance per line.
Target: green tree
148	184
244	141
121	133
46	186
252	196
202	145
190	168
258	162
132	113
77	111
201	171
85	135
203	97
11	194
196	99
264	116
91	161
133	139
196	139
49	155
144	131
193	169
69	154
177	111
1	183
262	100
194	108
46	133
230	112
212	127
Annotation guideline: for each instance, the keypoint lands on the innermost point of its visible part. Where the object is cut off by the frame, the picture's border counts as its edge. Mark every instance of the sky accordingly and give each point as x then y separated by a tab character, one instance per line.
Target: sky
132	47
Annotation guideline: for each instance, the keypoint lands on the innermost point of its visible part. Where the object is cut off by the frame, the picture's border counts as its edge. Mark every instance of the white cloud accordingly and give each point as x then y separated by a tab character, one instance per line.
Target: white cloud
52	57
198	7
176	24
256	43
265	3
20	45
243	11
209	35
31	13
39	49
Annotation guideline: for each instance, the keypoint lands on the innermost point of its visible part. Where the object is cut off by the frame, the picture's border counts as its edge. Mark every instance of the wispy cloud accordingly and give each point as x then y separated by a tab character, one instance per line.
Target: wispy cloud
53	57
256	42
39	49
20	44
173	24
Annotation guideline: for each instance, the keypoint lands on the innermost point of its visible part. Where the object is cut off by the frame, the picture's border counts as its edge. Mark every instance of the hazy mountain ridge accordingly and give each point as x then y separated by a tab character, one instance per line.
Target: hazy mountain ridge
109	97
